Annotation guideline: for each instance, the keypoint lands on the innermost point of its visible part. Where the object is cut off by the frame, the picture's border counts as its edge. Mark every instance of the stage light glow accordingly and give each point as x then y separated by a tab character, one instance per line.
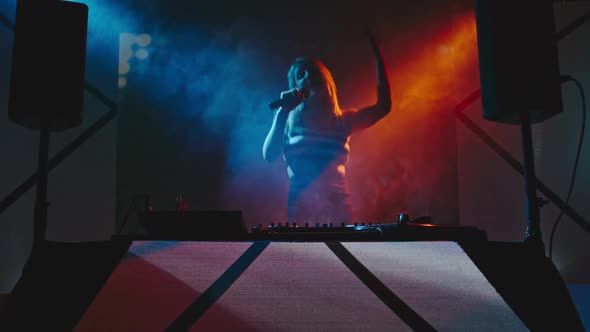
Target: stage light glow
122	82
434	74
143	40
141	53
126	41
124	68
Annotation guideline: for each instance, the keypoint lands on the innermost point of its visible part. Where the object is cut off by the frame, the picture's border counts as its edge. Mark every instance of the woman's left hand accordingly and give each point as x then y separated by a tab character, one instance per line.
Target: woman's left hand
374	46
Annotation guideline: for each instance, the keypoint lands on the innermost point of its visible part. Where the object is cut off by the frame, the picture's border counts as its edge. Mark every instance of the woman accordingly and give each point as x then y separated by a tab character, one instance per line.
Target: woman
313	134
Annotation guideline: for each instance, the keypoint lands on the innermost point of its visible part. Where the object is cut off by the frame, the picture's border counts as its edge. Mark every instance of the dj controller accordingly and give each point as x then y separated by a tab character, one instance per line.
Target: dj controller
409	231
230	226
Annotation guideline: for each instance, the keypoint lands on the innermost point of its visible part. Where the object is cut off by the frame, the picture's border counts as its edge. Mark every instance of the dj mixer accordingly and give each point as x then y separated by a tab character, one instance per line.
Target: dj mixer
230	226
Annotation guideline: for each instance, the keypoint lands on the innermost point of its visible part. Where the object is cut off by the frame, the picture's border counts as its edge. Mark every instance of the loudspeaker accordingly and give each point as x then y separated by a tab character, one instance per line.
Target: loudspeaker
48	64
58	283
518	60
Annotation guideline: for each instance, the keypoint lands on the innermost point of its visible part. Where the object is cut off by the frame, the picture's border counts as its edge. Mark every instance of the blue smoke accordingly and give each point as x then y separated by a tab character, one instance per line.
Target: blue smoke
214	85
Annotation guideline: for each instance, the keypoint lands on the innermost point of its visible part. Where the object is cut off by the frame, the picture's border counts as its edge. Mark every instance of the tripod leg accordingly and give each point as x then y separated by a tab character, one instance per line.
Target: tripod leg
41	204
533	231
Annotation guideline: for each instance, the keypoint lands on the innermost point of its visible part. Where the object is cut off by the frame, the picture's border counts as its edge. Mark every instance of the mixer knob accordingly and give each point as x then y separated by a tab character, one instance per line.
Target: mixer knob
403	218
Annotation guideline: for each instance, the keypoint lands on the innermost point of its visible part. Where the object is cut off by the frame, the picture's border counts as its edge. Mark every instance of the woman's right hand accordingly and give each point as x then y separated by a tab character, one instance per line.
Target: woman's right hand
291	99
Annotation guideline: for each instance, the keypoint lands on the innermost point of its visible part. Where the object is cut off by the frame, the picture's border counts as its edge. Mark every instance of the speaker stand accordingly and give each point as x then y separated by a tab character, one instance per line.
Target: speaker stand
533	231
41	204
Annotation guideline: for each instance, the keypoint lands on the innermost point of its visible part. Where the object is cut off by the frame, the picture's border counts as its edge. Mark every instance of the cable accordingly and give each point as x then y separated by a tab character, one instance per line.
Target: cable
569	193
129	208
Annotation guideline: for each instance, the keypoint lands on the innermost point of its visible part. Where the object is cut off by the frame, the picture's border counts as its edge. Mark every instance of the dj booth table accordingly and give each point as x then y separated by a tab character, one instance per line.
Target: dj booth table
291	286
393	277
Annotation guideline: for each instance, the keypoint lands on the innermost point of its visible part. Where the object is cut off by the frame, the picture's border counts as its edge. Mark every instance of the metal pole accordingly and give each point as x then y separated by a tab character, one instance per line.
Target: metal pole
41	204
533	231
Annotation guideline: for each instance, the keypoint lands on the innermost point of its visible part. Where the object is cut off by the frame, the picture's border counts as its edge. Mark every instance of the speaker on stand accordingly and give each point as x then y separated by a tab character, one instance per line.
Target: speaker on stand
47	79
520	79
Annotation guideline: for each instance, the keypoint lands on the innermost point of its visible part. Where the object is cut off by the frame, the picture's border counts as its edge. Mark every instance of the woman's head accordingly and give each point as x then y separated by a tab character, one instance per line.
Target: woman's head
312	75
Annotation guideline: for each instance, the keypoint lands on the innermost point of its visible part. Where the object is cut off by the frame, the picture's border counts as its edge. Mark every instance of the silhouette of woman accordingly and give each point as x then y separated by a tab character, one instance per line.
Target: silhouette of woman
313	133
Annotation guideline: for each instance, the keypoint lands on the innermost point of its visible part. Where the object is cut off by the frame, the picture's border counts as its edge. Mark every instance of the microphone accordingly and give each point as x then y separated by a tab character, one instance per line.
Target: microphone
294	96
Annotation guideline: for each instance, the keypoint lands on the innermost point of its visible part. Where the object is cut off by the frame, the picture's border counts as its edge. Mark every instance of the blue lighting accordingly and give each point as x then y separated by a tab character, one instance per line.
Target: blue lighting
142	54
143	40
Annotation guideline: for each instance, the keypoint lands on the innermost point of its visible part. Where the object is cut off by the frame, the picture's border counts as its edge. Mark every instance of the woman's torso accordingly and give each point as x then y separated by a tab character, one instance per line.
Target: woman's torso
316	148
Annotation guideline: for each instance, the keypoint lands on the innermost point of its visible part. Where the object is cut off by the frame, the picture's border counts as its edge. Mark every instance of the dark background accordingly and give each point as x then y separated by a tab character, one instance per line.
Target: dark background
194	114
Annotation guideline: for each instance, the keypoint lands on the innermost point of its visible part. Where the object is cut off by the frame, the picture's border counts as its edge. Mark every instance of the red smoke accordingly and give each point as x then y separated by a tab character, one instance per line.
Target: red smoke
398	164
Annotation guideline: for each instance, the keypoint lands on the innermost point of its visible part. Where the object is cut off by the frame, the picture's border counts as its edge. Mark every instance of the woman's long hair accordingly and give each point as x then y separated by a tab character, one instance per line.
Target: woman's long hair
320	77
